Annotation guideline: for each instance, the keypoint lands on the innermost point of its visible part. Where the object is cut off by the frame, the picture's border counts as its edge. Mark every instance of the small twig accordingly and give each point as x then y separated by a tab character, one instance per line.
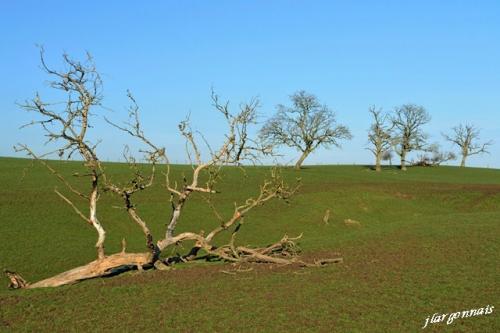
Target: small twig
69	202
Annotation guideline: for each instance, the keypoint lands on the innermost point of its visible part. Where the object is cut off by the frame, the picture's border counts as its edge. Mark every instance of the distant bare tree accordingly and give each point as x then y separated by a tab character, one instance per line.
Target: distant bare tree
408	120
304	126
466	137
436	158
379	135
439	157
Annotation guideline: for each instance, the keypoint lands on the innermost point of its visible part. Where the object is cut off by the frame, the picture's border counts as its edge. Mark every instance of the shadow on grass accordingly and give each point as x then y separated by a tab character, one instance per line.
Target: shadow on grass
384	167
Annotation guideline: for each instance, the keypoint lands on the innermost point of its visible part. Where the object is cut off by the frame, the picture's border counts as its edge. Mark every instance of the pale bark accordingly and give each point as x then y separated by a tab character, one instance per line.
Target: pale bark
465	153
97	268
95	222
462	163
403	160
378	166
304	155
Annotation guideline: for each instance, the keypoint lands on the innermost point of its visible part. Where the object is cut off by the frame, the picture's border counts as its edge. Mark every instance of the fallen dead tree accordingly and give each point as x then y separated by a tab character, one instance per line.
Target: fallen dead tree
69	126
436	158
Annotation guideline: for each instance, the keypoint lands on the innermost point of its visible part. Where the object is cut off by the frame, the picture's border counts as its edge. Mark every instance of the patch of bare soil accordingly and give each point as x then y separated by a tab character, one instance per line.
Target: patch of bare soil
6	301
486	194
404	196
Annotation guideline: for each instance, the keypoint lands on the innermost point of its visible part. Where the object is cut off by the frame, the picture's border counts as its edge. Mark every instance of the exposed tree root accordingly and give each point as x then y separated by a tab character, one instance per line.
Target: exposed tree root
16	281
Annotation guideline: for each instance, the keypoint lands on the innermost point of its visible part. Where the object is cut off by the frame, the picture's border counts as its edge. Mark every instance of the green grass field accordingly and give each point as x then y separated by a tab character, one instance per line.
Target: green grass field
427	242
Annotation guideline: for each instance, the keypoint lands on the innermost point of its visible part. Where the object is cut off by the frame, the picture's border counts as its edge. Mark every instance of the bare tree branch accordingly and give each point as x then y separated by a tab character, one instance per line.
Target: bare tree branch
82	85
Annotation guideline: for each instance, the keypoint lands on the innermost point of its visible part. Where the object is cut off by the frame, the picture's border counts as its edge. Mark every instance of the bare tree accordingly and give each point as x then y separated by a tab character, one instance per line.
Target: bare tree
304	126
67	124
68	127
408	120
379	136
82	85
466	137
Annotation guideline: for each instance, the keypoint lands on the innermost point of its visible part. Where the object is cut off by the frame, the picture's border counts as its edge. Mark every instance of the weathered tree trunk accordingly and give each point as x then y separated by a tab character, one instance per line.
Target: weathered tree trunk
175	217
306	153
97	268
403	160
464	157
378	158
95	222
283	252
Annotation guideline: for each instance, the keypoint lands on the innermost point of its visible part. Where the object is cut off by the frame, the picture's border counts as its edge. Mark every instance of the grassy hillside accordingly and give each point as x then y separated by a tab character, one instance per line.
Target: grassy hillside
427	242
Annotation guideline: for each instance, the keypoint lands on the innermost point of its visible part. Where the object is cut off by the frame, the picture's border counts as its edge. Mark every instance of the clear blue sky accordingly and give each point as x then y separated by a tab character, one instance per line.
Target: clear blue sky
444	55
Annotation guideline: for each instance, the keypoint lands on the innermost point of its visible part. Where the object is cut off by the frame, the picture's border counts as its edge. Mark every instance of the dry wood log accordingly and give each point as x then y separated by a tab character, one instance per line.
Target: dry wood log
97	268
